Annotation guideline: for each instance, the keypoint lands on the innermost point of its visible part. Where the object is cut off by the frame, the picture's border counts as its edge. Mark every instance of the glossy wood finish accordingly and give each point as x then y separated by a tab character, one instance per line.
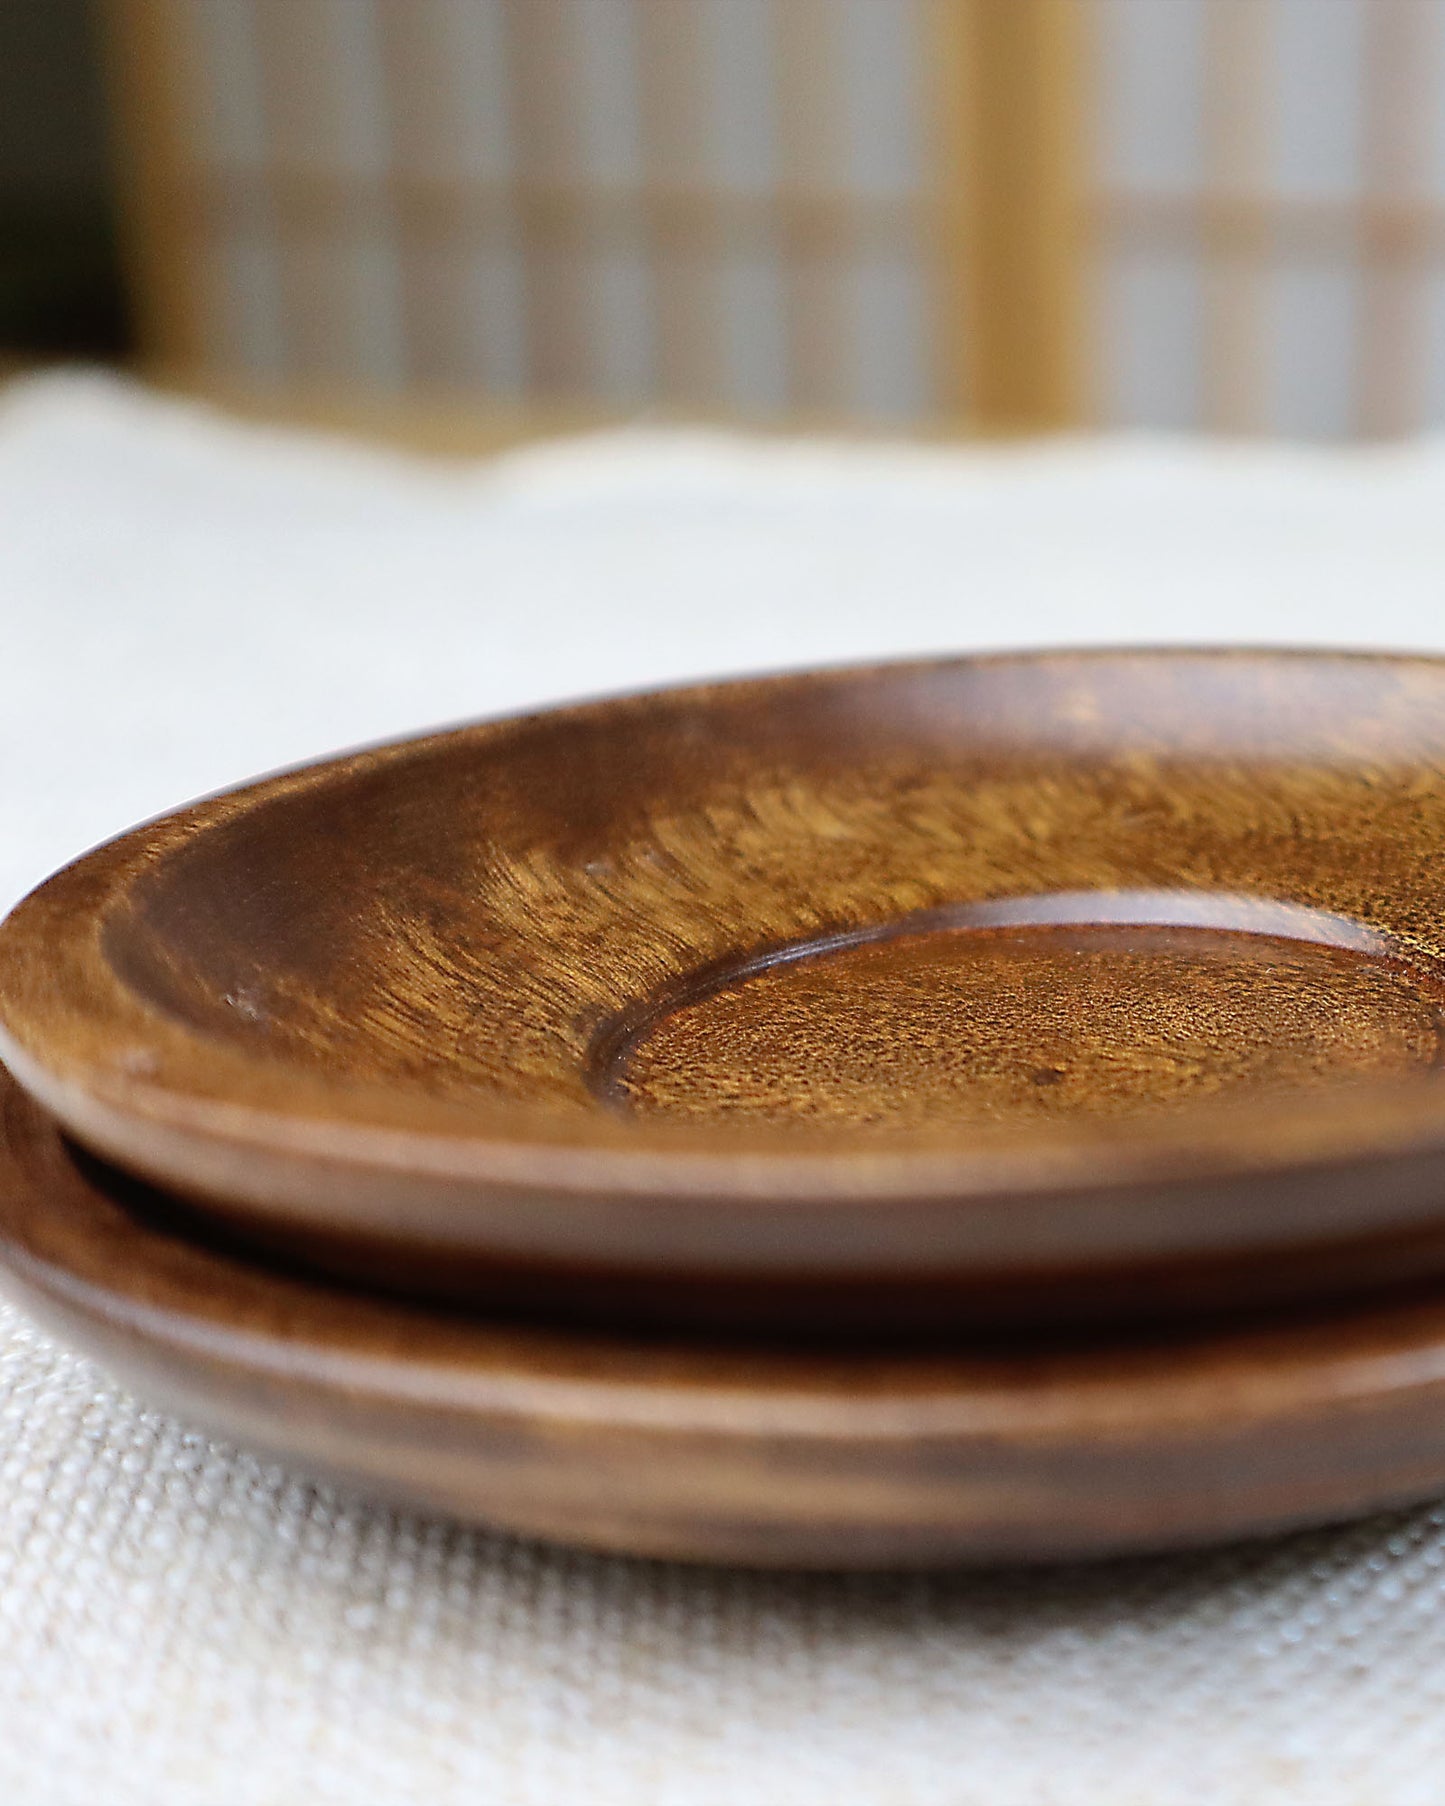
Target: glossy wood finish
677	1448
968	990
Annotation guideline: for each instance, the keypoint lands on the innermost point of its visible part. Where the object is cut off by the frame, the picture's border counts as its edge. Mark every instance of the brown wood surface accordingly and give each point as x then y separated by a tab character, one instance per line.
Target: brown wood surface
990	989
681	1449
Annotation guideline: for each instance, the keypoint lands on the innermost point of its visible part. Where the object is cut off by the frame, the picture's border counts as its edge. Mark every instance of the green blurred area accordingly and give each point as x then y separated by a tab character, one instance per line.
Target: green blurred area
61	289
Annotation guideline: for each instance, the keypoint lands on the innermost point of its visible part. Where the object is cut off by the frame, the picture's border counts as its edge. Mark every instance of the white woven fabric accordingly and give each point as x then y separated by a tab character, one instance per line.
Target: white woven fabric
184	602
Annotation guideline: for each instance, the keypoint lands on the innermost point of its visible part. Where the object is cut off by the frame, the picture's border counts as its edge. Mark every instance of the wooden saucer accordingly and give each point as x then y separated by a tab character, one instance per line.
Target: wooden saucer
1032	988
712	1453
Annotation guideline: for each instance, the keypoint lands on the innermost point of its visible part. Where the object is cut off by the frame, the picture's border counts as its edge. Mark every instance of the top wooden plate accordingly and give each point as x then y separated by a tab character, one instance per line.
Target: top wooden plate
1028	984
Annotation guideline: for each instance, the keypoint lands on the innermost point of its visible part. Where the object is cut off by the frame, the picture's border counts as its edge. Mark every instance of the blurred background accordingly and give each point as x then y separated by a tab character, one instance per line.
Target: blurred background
982	216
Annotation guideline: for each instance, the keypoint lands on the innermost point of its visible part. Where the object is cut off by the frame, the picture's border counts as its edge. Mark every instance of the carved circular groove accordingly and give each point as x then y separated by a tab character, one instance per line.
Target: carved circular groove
1078	1005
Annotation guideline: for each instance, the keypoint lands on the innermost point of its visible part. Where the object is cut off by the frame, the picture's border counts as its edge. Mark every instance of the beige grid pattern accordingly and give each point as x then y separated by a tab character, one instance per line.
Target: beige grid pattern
714	203
1224	214
1268	226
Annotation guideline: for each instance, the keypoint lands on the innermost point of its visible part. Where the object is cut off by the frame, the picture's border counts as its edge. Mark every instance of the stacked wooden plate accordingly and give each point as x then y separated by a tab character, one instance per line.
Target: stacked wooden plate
984	1108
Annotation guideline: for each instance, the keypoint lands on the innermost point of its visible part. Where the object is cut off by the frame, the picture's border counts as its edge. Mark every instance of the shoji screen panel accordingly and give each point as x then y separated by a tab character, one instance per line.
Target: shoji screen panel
1268	227
721	203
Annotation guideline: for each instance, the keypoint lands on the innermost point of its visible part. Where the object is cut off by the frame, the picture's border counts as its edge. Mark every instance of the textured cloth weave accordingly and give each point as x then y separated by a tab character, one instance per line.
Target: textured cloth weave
184	602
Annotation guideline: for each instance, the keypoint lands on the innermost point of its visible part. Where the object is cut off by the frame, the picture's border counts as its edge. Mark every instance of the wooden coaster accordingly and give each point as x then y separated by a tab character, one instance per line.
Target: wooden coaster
1035	988
661	1447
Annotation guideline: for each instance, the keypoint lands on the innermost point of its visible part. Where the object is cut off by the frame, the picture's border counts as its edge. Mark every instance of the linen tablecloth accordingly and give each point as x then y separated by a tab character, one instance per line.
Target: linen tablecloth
184	602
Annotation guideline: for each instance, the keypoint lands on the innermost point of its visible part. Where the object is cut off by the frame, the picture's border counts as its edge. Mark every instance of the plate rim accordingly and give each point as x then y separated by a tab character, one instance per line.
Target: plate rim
1355	1397
56	986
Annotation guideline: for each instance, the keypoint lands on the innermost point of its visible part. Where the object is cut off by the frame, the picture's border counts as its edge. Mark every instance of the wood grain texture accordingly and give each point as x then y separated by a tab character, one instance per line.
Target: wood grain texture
989	989
681	1449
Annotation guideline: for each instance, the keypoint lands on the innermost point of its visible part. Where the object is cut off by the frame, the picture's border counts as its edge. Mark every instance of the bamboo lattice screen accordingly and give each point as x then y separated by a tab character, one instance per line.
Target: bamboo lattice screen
1195	213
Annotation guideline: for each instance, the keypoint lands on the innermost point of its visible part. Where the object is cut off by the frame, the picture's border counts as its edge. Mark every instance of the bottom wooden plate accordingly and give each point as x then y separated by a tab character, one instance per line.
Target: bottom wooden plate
724	1453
